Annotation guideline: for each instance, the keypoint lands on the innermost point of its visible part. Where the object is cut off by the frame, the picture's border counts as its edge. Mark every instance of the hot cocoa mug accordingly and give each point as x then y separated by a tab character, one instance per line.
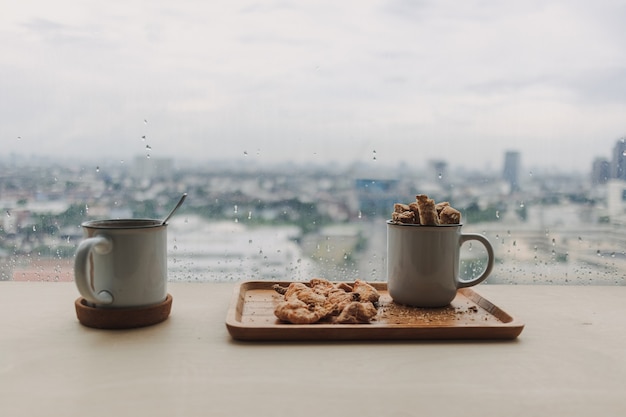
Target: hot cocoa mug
122	263
423	263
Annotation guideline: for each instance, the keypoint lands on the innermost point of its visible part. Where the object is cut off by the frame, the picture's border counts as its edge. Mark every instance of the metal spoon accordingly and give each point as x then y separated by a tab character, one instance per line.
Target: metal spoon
180	203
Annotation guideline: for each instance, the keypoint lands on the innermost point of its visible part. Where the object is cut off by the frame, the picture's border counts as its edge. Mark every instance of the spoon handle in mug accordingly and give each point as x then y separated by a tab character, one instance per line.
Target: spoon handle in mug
100	245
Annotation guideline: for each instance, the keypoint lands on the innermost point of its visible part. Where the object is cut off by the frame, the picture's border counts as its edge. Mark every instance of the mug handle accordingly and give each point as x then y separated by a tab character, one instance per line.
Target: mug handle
100	245
490	260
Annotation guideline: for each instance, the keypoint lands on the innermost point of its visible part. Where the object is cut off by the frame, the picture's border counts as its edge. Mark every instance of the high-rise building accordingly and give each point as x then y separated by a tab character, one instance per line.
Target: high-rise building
439	169
511	169
600	171
618	163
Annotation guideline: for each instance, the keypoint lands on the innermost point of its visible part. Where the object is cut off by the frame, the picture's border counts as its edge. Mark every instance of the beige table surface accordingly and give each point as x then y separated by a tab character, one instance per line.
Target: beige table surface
570	360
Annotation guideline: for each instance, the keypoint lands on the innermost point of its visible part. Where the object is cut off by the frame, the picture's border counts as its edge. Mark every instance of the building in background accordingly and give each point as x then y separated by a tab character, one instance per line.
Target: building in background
600	171
377	197
511	170
618	163
439	168
152	168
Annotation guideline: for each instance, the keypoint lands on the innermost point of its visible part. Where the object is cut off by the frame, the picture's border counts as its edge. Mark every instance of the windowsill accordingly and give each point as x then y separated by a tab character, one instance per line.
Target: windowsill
569	360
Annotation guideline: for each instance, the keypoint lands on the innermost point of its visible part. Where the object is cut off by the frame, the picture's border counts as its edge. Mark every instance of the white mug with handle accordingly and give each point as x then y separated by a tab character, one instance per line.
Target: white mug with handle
122	263
423	263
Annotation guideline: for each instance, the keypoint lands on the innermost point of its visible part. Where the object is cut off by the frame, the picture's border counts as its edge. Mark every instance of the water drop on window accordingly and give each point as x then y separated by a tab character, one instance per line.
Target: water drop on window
148	147
97	169
145	121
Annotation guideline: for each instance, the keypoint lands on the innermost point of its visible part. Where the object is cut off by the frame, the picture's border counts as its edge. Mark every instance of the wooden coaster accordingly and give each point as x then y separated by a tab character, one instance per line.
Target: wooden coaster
122	318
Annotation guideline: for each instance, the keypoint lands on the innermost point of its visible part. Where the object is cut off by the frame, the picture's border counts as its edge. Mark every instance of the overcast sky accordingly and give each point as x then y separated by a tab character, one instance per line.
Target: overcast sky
394	80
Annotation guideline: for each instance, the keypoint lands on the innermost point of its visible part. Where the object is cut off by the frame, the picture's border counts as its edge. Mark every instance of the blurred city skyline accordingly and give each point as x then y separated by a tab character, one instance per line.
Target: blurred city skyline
315	81
373	166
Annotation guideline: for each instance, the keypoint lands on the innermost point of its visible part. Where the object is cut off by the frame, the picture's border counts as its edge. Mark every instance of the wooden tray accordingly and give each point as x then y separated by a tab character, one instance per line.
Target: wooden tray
469	316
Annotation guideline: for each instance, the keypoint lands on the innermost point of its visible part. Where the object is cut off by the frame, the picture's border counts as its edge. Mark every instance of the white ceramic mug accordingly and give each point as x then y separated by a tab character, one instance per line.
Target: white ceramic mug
122	263
423	263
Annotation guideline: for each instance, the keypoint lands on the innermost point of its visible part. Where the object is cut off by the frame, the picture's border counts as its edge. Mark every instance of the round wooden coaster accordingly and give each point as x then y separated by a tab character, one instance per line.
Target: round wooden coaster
122	318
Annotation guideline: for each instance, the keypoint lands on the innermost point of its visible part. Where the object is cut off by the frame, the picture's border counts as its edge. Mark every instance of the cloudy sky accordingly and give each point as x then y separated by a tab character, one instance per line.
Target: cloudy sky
315	80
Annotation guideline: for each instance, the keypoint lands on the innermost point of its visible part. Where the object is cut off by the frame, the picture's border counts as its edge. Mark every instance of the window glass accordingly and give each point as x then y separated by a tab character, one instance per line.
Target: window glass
295	126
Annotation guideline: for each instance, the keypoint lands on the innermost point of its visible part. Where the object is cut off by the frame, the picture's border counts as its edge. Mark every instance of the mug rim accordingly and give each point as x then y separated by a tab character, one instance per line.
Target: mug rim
390	222
109	224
